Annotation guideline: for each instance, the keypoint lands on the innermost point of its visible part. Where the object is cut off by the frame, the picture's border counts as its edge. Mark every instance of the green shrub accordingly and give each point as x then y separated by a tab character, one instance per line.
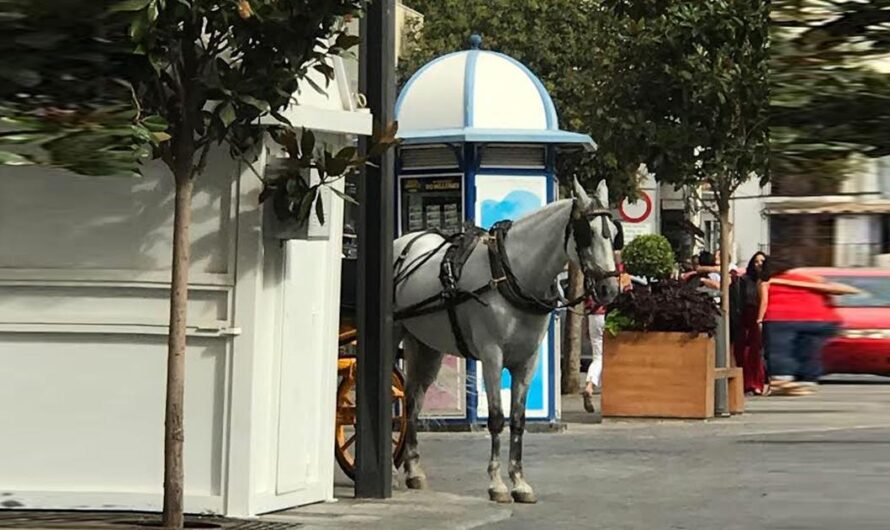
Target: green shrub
668	306
649	256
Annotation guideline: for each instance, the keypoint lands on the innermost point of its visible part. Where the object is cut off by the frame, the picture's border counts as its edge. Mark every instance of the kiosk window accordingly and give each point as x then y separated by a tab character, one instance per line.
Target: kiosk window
431	202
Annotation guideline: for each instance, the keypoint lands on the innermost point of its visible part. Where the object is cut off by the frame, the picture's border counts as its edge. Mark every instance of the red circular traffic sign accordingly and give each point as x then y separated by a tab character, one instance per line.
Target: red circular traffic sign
639	218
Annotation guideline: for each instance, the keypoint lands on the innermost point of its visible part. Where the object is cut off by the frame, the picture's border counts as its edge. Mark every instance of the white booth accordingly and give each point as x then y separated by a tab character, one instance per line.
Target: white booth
84	283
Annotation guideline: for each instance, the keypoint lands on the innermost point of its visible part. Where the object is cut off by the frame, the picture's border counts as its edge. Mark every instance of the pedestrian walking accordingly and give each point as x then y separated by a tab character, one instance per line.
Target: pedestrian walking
748	340
798	319
596	325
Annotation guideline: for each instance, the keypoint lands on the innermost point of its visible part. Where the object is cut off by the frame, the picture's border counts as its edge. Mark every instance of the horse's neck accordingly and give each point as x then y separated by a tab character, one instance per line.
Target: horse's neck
535	247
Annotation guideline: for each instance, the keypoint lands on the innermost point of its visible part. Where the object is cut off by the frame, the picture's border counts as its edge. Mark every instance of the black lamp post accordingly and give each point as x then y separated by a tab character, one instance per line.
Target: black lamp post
376	191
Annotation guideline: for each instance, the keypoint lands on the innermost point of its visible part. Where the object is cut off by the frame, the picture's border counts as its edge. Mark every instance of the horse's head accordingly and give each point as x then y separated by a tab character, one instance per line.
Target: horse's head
596	237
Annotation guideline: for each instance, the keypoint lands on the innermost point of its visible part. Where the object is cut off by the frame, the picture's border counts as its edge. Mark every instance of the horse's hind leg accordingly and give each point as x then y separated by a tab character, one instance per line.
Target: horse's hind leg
491	371
422	365
522	376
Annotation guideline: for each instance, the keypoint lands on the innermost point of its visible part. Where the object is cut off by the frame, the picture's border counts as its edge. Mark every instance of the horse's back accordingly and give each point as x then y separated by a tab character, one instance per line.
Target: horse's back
416	260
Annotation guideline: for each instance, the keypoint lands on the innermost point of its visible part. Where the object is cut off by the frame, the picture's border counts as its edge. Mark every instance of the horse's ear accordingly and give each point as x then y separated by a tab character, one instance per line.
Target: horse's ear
580	194
602	194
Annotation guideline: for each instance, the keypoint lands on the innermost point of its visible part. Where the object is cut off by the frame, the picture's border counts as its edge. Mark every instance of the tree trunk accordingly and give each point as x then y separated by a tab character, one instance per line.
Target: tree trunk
173	420
726	242
571	342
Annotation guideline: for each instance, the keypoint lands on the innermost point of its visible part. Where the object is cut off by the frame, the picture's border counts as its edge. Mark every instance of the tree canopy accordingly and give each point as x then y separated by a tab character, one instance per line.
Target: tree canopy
63	90
686	86
830	97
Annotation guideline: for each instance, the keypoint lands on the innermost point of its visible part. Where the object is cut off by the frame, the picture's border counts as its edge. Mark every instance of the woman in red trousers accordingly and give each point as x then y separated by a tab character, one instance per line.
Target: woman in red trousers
748	343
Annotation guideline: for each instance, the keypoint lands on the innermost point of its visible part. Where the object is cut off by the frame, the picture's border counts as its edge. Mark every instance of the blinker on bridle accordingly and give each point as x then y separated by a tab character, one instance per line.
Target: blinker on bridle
579	225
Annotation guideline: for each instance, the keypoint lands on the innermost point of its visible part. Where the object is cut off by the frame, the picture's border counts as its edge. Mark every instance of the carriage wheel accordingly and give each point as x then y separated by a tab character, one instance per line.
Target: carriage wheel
345	435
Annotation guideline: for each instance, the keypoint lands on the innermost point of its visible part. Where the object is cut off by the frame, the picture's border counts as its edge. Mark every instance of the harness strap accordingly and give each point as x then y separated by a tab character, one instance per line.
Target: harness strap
450	271
504	278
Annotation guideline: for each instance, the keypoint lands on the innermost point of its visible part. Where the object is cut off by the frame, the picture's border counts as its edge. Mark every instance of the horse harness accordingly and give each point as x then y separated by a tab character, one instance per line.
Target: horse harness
460	247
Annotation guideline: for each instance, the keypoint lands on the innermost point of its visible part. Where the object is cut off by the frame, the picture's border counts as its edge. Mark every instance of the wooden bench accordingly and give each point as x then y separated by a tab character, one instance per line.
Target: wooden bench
736	385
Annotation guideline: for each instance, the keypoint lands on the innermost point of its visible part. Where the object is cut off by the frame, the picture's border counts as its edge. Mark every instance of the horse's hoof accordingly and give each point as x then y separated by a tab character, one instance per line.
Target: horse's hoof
524	497
415	483
501	496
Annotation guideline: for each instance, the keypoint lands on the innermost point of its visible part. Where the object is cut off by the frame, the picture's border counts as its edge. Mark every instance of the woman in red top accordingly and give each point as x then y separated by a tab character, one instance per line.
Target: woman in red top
798	319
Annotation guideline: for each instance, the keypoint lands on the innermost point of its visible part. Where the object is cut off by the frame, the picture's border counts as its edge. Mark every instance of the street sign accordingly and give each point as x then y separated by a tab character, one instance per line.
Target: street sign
637	211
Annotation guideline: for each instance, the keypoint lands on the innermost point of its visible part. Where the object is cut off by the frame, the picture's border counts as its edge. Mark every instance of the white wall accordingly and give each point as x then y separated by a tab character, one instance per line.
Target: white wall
750	226
84	266
84	272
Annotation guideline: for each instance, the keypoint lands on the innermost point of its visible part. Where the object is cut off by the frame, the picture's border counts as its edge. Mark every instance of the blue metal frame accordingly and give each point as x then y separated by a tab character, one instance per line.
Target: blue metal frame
476	135
470	86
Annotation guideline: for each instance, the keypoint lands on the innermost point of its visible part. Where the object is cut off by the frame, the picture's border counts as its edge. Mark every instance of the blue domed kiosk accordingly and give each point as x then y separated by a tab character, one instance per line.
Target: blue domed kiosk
479	135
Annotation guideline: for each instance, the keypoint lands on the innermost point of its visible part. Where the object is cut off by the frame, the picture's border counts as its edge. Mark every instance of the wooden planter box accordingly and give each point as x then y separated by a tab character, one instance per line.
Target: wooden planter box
662	375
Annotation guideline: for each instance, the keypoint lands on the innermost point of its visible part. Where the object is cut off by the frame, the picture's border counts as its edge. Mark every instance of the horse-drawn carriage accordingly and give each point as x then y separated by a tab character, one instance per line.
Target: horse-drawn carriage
345	434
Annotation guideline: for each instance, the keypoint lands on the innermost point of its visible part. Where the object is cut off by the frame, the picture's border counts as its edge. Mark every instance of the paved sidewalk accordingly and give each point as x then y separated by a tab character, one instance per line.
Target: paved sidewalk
786	464
409	510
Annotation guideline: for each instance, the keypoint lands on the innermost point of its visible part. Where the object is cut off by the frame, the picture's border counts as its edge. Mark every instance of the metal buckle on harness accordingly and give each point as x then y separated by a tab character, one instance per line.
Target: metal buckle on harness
493	283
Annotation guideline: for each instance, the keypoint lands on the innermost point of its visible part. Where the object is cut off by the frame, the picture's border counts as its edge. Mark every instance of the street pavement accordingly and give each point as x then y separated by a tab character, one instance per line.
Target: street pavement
821	462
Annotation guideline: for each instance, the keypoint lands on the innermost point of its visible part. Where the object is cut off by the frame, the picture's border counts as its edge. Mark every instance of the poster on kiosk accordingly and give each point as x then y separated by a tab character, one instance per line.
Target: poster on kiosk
511	197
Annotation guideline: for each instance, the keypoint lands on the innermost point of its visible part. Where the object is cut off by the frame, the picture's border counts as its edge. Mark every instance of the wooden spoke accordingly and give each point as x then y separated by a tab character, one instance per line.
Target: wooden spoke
349	442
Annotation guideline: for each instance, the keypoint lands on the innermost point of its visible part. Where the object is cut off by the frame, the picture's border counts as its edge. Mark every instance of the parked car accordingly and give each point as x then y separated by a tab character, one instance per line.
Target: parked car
863	344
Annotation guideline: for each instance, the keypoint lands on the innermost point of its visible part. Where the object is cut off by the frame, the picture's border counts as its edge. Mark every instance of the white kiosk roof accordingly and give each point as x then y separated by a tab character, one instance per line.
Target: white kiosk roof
479	96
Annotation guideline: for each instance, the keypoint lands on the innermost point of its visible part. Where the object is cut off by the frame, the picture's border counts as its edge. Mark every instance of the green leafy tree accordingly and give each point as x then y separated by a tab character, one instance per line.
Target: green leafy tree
830	98
686	85
98	86
62	93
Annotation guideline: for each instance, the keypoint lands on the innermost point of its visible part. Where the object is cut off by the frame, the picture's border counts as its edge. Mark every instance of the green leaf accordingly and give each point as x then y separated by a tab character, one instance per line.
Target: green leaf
155	124
315	86
319	207
139	27
334	166
307	143
160	137
345	41
343	196
305	206
26	138
254	102
13	159
227	114
129	5
347	153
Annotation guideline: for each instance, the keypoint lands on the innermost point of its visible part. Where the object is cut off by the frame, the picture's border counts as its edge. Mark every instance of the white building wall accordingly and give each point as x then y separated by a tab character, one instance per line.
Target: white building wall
750	225
84	272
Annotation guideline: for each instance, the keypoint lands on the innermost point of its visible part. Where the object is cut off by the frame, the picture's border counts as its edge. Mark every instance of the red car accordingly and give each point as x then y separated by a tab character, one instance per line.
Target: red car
863	344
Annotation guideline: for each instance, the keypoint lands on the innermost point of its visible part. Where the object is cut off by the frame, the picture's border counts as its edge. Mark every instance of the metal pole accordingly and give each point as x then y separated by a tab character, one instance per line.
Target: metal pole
375	235
721	389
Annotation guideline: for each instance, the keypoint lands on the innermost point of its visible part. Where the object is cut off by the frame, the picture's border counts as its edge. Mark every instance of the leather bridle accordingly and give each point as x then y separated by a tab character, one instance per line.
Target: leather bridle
579	229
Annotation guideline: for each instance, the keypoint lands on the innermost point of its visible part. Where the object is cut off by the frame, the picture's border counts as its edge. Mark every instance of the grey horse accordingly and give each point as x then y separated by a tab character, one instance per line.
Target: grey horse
495	331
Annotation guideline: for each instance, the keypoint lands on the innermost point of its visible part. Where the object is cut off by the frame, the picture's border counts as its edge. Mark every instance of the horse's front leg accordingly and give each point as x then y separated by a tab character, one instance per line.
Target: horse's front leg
492	366
522	492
